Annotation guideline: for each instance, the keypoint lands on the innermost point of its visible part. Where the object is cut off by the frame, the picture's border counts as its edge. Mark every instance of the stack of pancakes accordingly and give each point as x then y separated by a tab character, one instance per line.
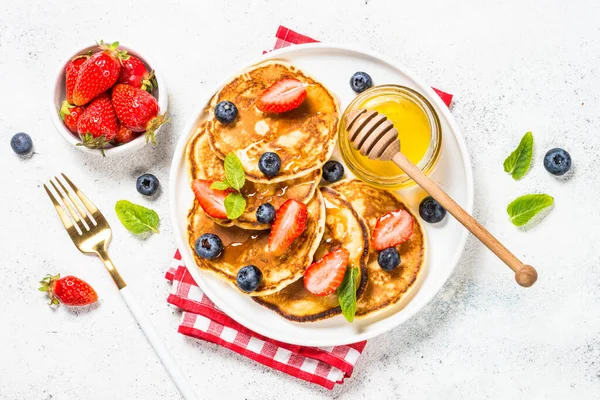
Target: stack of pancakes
341	215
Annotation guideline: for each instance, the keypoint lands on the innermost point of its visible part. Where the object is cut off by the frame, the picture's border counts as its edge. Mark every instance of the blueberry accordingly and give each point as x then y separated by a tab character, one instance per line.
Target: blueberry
147	184
21	143
248	278
360	82
431	211
269	164
265	214
226	112
209	246
388	259
333	171
557	161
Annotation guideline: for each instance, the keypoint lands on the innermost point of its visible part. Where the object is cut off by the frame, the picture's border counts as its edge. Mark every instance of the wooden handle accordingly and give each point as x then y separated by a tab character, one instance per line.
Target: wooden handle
525	275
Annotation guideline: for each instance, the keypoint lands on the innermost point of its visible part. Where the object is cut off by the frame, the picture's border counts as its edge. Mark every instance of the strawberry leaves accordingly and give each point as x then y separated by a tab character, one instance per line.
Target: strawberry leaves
100	142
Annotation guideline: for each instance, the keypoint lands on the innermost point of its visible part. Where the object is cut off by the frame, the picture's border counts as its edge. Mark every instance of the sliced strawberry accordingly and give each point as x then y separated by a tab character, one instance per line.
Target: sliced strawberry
282	96
392	229
211	200
291	219
323	277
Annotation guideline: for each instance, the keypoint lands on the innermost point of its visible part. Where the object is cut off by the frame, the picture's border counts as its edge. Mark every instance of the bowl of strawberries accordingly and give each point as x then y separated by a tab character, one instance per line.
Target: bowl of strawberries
108	99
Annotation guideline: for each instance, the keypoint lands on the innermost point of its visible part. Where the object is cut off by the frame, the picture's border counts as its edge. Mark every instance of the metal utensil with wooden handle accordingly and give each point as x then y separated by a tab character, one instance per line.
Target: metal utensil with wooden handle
374	136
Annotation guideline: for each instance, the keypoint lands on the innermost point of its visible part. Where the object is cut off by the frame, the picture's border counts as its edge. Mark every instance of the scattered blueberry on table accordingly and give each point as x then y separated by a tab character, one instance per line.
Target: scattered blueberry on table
209	246
147	184
226	112
360	81
248	278
431	211
333	171
557	161
265	213
388	259
21	143
269	164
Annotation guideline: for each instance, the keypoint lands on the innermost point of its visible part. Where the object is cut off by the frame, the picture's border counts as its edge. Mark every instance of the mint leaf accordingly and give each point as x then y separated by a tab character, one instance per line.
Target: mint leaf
523	208
347	294
519	161
137	219
220	185
235	204
234	171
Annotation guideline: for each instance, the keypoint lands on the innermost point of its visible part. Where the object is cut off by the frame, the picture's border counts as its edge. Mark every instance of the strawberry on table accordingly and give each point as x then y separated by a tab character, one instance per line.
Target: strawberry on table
135	73
137	110
99	119
125	135
98	73
69	290
71	74
291	220
324	276
70	115
211	200
284	95
392	229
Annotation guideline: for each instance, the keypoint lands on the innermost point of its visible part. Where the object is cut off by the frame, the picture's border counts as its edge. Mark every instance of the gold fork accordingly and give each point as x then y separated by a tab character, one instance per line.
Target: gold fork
91	234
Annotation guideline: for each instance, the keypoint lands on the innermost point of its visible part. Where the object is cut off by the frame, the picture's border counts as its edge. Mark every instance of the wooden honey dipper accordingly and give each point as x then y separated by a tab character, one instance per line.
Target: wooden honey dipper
374	136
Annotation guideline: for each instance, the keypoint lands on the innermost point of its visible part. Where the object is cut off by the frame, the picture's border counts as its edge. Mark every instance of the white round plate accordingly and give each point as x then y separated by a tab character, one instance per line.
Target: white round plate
333	66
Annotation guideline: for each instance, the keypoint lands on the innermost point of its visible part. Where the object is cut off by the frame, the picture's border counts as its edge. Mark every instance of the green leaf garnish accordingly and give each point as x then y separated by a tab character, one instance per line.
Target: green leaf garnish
220	185
519	161
234	171
137	219
347	294
523	208
235	204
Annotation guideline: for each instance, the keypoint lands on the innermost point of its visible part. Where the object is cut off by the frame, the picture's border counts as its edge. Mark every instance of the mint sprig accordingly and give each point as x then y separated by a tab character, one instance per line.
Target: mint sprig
347	294
518	162
235	178
524	208
137	219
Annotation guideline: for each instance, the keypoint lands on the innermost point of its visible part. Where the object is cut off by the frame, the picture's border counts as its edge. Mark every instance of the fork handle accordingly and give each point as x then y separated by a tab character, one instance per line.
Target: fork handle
158	345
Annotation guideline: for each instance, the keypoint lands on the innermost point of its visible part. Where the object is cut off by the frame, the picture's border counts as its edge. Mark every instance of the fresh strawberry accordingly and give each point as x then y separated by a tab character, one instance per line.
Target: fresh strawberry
135	73
125	135
323	277
98	73
70	115
70	291
392	229
282	96
99	119
290	221
71	73
137	110
211	200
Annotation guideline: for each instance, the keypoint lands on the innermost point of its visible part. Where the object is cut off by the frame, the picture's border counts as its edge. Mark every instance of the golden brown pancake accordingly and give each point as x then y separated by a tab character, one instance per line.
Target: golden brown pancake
343	228
243	247
303	138
384	288
204	164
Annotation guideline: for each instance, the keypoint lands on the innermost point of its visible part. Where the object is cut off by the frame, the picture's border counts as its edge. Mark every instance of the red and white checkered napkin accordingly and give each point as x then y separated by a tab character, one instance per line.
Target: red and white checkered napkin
201	319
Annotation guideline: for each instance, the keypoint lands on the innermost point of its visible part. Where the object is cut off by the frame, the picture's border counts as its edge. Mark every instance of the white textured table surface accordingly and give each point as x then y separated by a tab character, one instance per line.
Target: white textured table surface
513	66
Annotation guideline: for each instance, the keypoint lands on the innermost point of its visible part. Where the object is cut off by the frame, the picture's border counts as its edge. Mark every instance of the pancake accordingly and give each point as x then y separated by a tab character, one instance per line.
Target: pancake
204	164
384	288
343	228
303	138
243	247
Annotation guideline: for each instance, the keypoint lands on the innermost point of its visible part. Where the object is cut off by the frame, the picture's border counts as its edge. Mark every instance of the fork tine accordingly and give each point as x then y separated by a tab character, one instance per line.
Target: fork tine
61	213
86	202
87	222
74	217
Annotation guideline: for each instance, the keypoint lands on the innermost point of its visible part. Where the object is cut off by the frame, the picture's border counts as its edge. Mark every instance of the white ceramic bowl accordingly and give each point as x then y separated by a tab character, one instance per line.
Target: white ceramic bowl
58	96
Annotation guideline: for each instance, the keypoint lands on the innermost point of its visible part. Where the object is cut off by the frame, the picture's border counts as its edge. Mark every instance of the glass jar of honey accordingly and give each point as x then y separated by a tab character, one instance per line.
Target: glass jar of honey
418	127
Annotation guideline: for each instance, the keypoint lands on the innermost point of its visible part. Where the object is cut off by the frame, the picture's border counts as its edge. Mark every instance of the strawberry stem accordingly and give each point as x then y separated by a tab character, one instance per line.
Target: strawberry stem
113	49
65	109
149	82
153	126
89	141
48	287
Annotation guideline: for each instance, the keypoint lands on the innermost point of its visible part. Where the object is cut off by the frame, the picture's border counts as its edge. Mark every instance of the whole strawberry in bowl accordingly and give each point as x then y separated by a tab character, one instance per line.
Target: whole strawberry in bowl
94	117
